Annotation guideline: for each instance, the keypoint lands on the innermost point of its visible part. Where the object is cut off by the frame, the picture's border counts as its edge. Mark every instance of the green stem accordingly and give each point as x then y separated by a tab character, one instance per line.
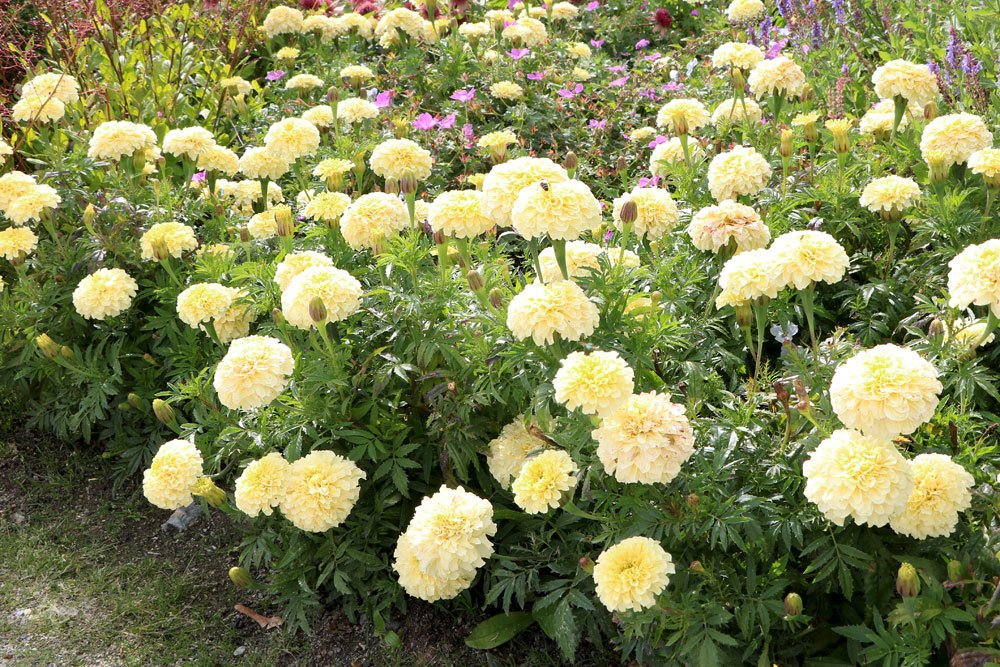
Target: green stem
559	248
808	306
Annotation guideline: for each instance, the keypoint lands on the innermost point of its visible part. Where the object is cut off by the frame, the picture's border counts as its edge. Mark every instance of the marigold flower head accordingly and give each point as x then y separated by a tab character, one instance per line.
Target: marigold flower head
219	159
104	293
740	171
254	371
737	54
629	575
459	213
562	210
327	207
542	310
506	90
283	21
953	138
974	277
505	181
204	302
416	582
672	152
188	142
396	159
940	491
542	481
914	82
734	110
451	531
320	490
806	256
17	242
115	139
13	184
397	21
338	289
986	163
321	116
292	138
63	87
295	263
172	475
581	260
508	451
597	382
36	108
31	205
372	218
748	276
174	238
890	194
261	163
656	212
355	110
777	76
716	227
682	116
262	485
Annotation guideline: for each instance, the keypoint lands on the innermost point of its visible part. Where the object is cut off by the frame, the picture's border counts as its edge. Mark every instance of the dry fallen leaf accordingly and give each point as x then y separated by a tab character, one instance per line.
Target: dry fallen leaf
265	622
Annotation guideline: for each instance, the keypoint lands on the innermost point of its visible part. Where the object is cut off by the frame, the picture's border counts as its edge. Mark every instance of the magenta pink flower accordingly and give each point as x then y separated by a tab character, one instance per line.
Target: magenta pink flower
464	95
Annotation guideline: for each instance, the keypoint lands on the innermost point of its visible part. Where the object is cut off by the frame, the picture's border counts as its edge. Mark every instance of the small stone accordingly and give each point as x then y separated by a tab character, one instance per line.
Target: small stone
240	650
19	519
182	518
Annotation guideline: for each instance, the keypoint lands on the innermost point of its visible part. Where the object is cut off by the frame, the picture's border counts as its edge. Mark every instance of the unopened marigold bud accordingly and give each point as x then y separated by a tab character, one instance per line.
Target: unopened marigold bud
408	185
802	394
47	346
392	187
240	577
134	400
277	317
621	165
244	235
787	147
930	111
476	282
936	327
907	581
956	571
629	212
163	411
692	500
697	567
840	129
332	96
400	128
438	237
317	310
89	215
938	168
655	298
586	564
744	314
206	488
808	92
571	161
496	298
66	351
148	358
160	249
781	392
284	221
793	604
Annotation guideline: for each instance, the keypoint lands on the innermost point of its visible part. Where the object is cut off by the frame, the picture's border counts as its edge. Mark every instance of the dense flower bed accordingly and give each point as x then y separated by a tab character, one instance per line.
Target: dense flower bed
650	327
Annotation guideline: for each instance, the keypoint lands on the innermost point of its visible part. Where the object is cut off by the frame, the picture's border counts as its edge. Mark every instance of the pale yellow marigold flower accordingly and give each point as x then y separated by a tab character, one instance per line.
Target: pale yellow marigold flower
17	242
5	150
735	111
672	152
646	440
885	391
219	159
579	50
295	263
236	85
542	310
188	142
562	11
115	139
451	532
657	212
740	171
400	20
562	210
682	116
354	22
292	138
371	219
748	276
741	11
235	321
716	227
854	475
263	163
253	372
879	119
174	237
597	382
508	451
986	163
357	73
321	116
396	159
332	168
505	181
543	480
968	334
891	194
327	207
35	108
915	83
31	205
777	76
940	491
172	475
580	74
283	21
954	138
806	256
737	54
416	582
204	302
974	277
321	489
263	225
642	133
459	214
473	32
104	293
289	52
55	84
629	575
355	110
339	291
261	486
506	90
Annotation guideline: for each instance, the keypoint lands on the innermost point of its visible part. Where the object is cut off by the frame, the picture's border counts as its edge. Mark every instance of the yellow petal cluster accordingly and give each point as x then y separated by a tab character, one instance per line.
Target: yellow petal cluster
915	83
338	289
954	138
261	485
629	575
372	218
174	237
459	214
542	310
104	293
561	210
974	277
777	76
940	491
172	475
505	181
728	222
508	451
320	490
254	371
739	171
396	159
542	481
804	257
597	382
656	212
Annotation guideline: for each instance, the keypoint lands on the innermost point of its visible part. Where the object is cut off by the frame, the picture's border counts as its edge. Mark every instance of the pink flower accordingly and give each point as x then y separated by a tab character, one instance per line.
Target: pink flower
384	99
447	122
618	83
465	95
592	6
659	139
424	121
641	44
649	182
535	76
597	124
597	43
276	75
517	54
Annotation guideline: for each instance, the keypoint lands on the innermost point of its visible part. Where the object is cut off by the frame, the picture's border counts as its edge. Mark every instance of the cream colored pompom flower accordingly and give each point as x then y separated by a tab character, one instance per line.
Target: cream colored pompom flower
915	83
172	475
321	116
451	532
954	138
739	171
542	310
219	159
15	184
581	260
879	119
890	194
656	212
357	73
986	163
542	481
506	90
254	372
372	218
292	138
748	276
777	76
854	475
283	21
188	142
204	302
885	391
260	162
459	214
732	110
507	452
262	485
61	86
505	181
672	152
629	575
165	239
339	291
104	293
37	109
355	110
416	582
804	257
396	159
115	139
397	21
295	263
646	440
742	11
682	116
940	491
17	242
974	277
738	55
327	207
562	210
726	224
33	204
321	489
597	382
